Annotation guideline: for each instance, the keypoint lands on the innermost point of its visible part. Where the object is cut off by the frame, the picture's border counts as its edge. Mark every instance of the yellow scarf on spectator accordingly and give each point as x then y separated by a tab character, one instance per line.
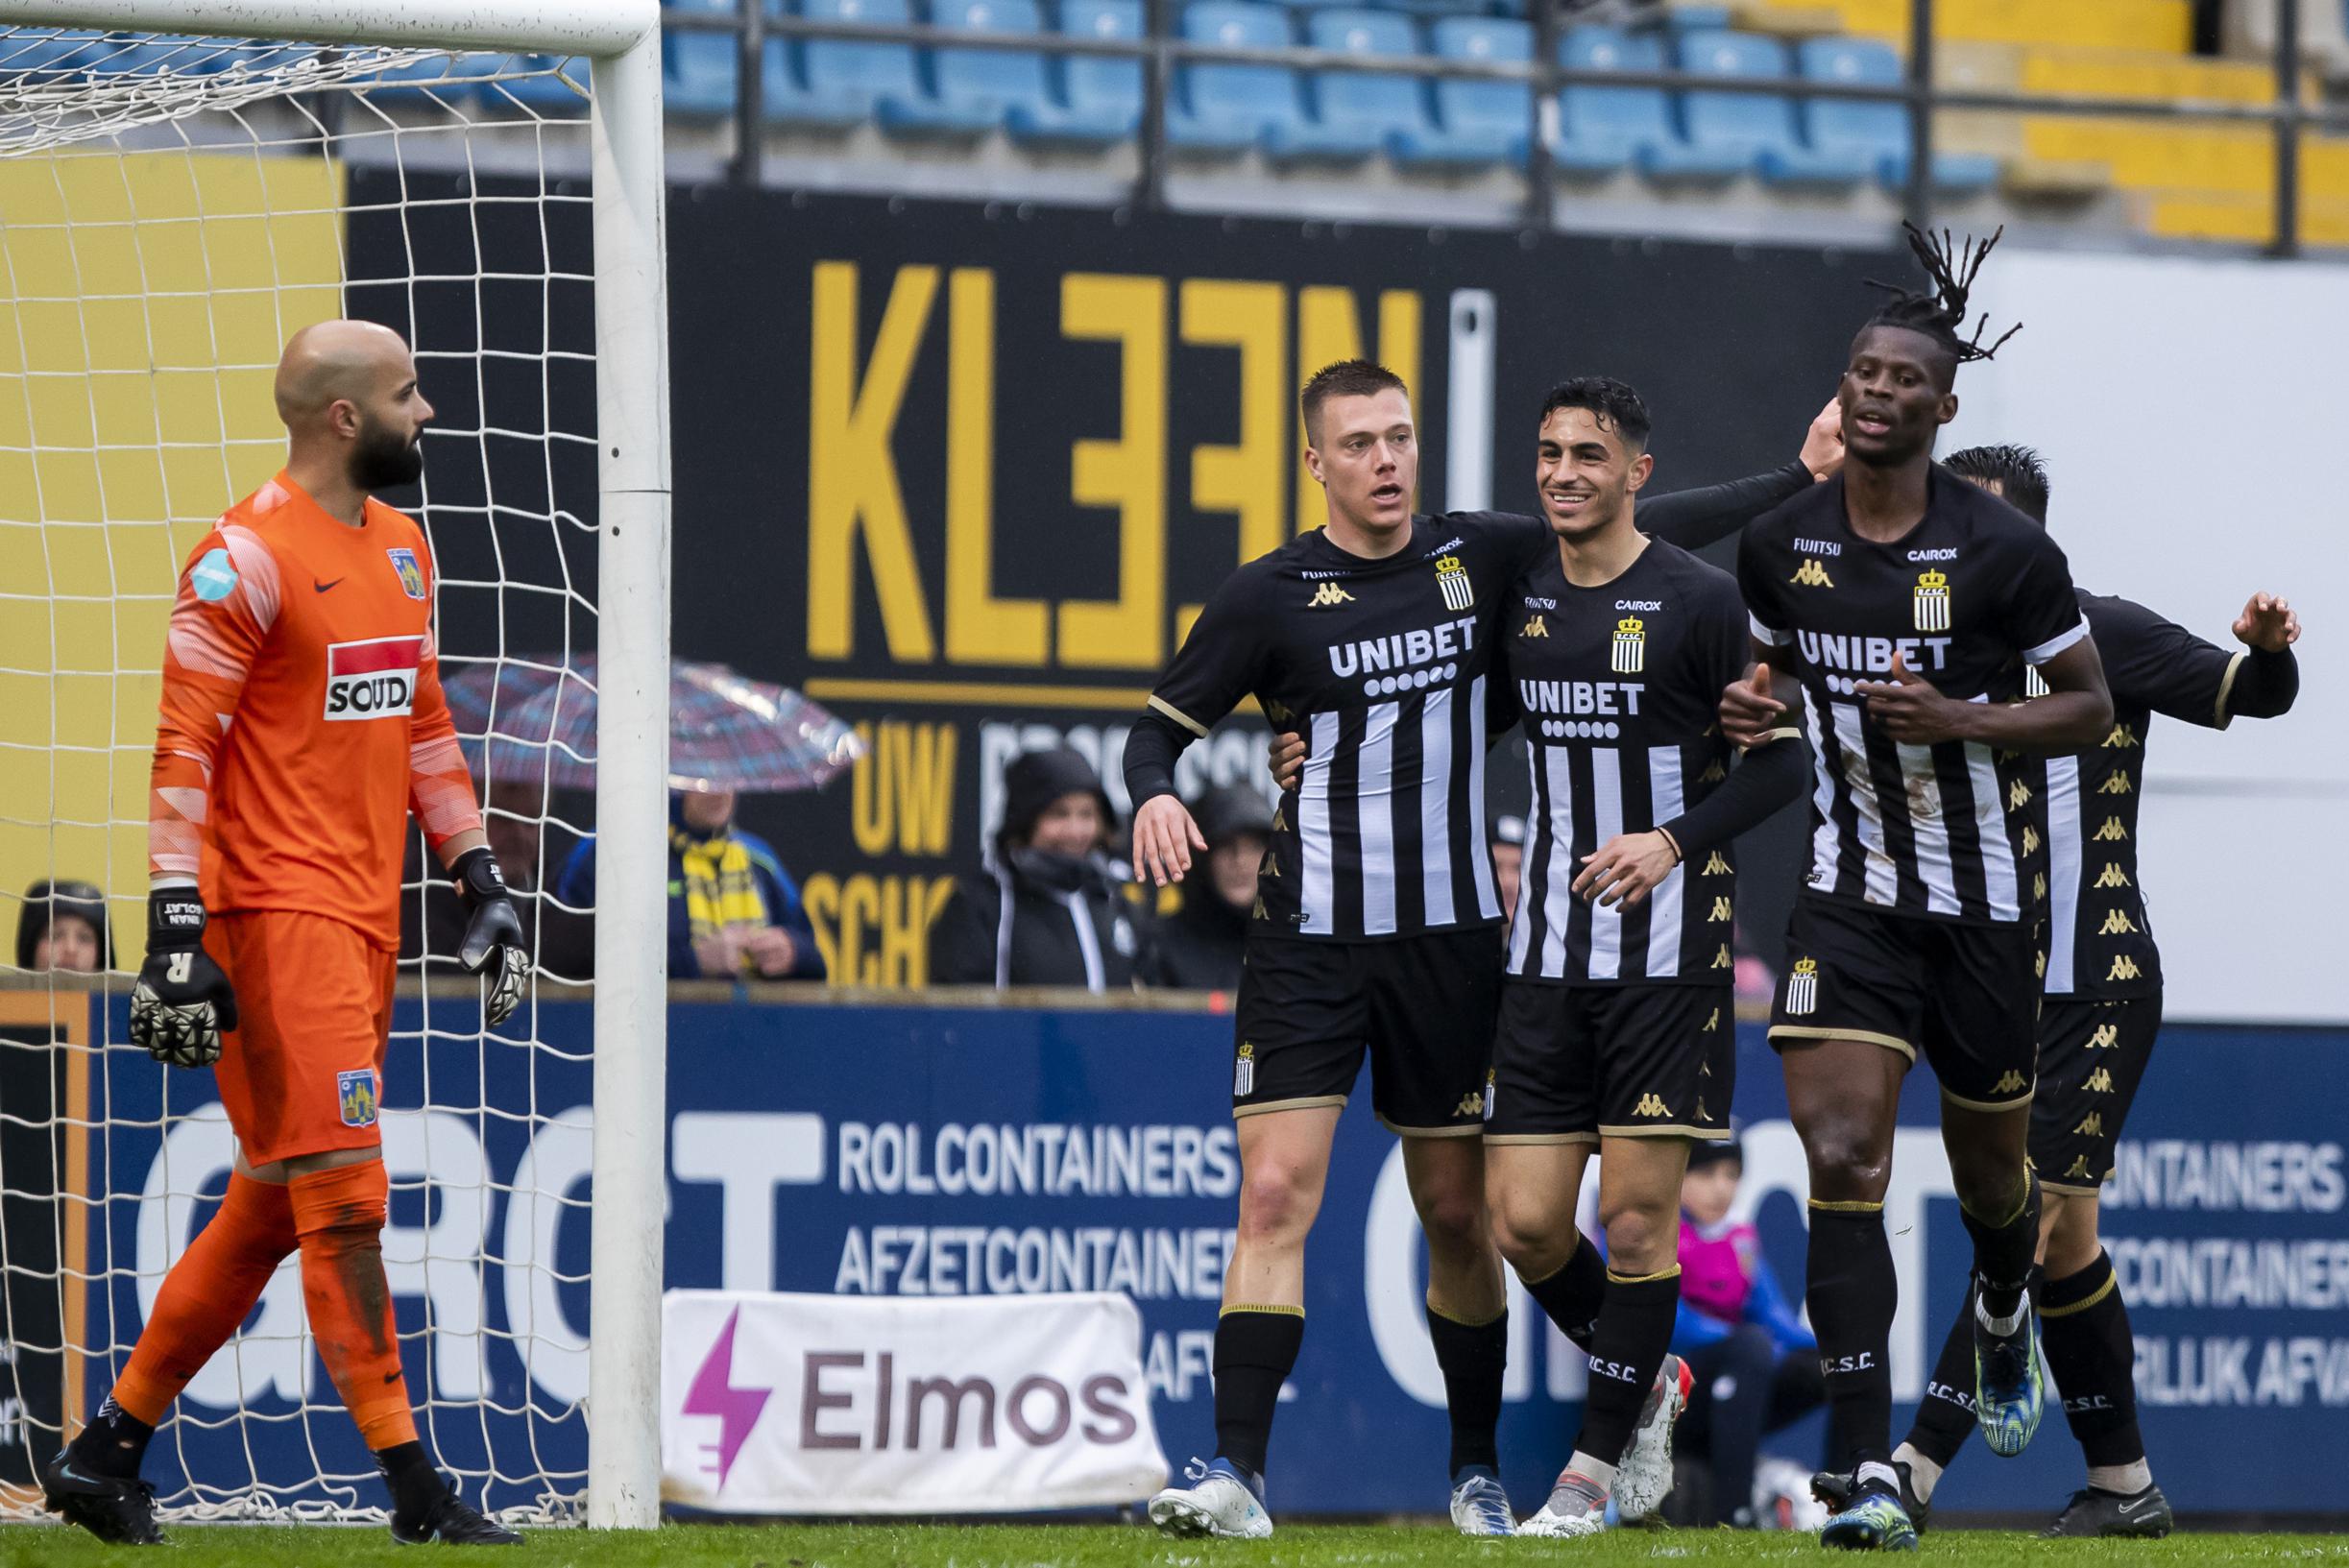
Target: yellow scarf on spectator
720	891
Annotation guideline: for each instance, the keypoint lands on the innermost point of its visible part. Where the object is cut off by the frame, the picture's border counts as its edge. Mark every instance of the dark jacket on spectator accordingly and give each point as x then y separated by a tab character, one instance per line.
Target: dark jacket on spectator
1200	946
1043	919
778	894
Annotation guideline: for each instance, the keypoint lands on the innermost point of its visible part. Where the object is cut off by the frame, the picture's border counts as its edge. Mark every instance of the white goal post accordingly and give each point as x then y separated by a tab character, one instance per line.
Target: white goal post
631	610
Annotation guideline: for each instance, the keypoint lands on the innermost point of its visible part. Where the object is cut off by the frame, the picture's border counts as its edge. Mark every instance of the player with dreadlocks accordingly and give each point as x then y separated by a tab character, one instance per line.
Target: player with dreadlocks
1895	608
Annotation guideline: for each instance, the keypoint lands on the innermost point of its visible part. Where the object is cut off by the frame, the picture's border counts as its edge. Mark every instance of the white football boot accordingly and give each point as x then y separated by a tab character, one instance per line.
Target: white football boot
1645	1478
1218	1502
1577	1506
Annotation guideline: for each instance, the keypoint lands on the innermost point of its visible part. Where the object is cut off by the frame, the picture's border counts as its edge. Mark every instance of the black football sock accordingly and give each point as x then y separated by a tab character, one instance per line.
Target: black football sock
415	1484
1851	1295
1634	1330
2002	1251
1255	1349
1473	1357
1945	1417
114	1444
2084	1326
1572	1293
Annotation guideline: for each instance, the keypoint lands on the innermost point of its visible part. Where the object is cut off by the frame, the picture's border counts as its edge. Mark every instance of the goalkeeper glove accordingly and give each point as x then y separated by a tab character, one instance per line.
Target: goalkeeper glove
184	1001
493	945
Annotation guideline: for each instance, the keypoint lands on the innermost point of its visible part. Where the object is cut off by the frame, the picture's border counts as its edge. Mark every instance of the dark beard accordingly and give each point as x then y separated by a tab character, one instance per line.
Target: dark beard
382	461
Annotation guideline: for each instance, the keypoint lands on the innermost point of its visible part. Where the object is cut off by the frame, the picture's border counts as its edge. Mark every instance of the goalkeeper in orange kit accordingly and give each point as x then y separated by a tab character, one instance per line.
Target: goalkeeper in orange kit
302	720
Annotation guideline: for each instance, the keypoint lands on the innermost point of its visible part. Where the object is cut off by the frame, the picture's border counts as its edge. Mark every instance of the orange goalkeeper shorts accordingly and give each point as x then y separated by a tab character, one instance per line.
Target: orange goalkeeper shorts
303	1072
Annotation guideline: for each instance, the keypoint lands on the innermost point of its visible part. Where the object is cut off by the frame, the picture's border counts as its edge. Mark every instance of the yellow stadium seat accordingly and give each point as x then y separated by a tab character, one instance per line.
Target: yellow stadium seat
2165	26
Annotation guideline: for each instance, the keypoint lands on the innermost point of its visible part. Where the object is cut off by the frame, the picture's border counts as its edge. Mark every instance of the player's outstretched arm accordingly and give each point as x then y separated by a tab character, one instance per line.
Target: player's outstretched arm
226	604
2267	681
1693	519
440	794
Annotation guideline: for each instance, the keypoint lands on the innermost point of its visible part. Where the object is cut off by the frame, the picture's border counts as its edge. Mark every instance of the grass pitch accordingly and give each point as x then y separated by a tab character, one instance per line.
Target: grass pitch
1105	1546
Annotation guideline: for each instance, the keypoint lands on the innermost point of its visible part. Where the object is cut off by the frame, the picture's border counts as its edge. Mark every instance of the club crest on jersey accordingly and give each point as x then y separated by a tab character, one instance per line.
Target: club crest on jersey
356	1092
374	679
214	577
1453	579
1244	1068
411	573
1630	645
1803	986
1932	600
2034	684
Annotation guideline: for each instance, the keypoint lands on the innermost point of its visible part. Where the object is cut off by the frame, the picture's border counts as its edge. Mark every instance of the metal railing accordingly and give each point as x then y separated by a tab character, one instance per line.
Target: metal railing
1161	50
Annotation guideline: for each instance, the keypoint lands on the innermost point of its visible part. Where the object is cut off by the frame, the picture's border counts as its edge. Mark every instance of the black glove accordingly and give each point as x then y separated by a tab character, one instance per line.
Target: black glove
184	1001
493	945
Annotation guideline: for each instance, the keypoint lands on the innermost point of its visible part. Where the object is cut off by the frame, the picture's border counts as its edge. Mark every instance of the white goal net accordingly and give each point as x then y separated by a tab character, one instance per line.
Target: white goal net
171	209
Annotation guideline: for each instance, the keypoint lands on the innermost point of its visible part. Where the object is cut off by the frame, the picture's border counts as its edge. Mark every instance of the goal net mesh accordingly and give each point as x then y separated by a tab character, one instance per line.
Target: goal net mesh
171	209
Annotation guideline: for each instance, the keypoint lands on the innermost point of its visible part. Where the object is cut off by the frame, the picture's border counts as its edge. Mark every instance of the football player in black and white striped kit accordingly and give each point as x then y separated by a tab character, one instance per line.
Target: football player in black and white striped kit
2101	1011
1376	908
1896	608
1617	1030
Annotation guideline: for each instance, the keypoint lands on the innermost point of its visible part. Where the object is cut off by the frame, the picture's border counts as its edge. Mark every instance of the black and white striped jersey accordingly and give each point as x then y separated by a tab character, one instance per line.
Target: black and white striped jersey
1619	689
2100	942
1384	667
1968	597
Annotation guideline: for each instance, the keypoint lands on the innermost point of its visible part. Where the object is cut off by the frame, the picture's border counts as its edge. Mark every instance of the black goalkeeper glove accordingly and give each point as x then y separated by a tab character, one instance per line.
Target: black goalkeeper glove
493	945
184	1001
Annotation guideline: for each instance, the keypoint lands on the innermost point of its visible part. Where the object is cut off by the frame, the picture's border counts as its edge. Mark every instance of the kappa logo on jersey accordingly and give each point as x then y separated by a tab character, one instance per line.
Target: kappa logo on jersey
1328	596
2039	885
2116	923
1650	1105
1717	865
2125	968
1452	578
1811	574
1472	1105
2111	831
1535	627
2100	1081
1630	650
2117	785
1932	601
1243	1065
2079	1168
411	574
2011	1084
2122	737
356	1091
2030	839
2017	795
2091	1125
374	679
1803	986
1721	911
2113	876
2107	1037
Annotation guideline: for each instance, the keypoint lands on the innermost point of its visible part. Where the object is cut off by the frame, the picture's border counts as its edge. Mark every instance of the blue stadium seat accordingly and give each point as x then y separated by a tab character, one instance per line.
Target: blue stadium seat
1478	122
1602	129
1391	105
1877	130
839	82
1228	107
700	70
975	87
54	57
1101	96
1758	127
186	55
1698	18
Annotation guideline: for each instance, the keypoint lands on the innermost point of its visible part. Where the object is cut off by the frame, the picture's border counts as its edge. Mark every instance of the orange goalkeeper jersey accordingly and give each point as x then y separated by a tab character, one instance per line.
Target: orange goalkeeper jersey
302	718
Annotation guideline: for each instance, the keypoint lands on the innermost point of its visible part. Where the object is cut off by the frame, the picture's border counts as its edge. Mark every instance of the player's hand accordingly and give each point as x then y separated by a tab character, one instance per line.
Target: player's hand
1626	868
770	949
1287	760
492	946
1910	709
183	1002
1164	838
1747	711
1823	443
2267	623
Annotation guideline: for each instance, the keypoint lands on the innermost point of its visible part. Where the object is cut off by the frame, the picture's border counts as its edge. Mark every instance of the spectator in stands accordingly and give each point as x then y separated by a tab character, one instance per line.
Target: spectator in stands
561	942
1507	860
1755	1365
1052	909
733	912
62	926
1199	947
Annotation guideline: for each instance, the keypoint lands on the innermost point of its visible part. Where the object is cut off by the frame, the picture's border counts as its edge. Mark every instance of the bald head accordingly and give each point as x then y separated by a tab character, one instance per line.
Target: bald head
346	392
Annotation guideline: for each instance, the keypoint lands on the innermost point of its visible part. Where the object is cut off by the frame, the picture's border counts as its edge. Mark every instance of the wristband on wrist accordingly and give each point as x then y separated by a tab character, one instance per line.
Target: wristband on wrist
477	875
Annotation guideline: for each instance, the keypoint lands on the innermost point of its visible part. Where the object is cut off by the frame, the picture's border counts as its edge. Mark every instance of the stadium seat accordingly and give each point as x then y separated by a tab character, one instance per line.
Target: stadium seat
975	87
1228	107
1758	127
1101	97
1879	132
700	71
1392	105
56	56
1602	129
833	83
1476	121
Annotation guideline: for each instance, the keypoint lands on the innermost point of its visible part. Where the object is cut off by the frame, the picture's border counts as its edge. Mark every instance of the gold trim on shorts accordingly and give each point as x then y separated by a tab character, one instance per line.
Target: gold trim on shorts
1474	1129
2046	1186
1992	1105
1866	1037
1305	1104
1666	1130
1590	1138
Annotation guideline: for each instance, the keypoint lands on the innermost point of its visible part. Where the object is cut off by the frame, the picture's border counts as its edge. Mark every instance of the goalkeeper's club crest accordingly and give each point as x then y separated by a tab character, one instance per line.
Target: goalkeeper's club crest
1452	578
1630	645
411	573
1803	987
1932	601
1244	1072
356	1091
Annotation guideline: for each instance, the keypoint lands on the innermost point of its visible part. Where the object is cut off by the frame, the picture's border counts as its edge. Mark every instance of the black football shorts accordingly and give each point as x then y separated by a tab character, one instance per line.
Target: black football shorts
1423	1007
1965	995
1573	1063
2092	1057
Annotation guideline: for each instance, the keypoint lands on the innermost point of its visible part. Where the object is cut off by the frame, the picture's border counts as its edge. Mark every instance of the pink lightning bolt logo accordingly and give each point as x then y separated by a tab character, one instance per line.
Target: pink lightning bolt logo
713	1393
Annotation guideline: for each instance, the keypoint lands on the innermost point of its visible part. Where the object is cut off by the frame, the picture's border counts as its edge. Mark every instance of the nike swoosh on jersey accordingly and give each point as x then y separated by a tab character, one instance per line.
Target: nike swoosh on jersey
322	587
